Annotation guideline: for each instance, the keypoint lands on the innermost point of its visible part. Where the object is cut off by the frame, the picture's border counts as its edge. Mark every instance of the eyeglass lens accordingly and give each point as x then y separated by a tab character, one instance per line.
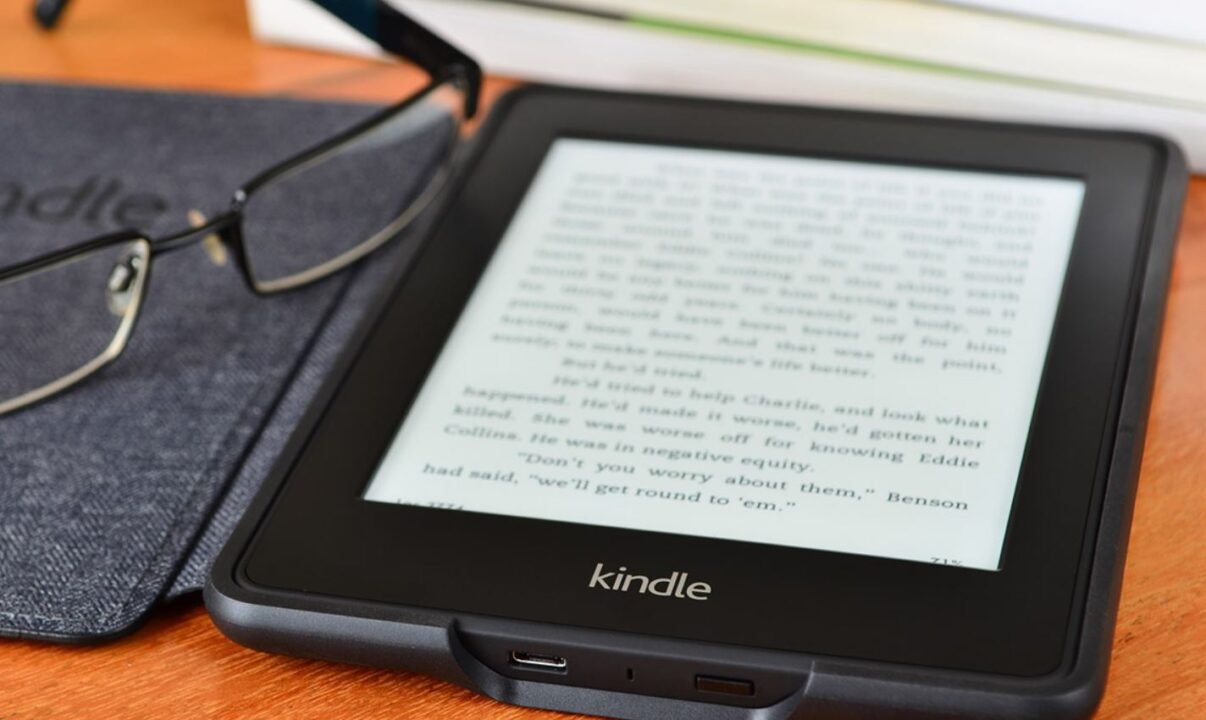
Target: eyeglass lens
321	216
64	321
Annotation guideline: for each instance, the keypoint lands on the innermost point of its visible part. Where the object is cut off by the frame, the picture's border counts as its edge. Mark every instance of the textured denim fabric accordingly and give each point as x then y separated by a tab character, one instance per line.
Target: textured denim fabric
305	384
129	482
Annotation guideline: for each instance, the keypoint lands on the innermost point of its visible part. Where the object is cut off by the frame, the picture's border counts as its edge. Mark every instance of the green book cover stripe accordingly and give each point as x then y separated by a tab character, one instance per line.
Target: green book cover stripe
768	41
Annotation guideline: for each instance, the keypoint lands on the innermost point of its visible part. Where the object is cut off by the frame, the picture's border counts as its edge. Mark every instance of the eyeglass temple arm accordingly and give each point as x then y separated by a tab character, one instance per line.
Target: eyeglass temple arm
430	51
380	22
47	12
401	35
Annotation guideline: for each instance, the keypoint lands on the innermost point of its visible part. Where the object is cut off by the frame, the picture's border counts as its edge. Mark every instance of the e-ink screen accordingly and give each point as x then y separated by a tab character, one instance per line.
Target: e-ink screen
813	353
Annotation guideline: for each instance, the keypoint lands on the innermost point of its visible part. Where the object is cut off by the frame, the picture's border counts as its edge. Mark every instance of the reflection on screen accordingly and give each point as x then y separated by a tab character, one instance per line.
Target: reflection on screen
812	353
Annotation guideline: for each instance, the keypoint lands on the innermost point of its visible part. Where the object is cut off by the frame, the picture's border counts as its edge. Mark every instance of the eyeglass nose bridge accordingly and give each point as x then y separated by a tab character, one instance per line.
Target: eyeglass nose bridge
222	225
222	236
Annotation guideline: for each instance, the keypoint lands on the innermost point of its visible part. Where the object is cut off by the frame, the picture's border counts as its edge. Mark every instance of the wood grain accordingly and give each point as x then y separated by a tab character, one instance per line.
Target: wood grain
179	664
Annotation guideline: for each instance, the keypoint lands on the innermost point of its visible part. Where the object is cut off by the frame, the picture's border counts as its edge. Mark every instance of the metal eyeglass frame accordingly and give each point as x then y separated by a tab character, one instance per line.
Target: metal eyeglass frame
394	32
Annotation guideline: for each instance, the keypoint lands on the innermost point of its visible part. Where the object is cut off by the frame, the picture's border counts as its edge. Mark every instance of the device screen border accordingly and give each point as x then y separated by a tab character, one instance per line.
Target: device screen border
322	538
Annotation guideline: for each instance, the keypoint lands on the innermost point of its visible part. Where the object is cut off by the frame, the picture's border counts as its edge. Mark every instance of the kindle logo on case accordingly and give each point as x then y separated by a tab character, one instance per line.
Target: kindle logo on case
673	585
95	200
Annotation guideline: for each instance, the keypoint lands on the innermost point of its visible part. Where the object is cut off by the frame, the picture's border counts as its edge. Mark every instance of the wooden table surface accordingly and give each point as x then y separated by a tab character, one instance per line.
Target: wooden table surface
179	664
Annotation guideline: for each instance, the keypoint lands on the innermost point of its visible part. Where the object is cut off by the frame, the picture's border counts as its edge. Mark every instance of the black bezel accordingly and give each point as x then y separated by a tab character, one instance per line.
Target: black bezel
320	537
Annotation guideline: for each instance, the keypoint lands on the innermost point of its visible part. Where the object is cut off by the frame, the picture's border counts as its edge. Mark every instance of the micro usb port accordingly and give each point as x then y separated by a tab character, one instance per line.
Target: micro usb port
726	686
536	661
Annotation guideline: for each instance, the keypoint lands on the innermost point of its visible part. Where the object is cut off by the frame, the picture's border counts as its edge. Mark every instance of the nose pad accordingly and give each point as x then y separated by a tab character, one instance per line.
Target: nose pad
123	279
213	245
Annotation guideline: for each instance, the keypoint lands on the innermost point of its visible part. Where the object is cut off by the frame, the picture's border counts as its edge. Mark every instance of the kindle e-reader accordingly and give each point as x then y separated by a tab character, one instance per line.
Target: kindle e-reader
713	410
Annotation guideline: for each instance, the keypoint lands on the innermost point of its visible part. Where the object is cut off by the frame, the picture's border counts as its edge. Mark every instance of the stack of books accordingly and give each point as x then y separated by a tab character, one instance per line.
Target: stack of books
1114	64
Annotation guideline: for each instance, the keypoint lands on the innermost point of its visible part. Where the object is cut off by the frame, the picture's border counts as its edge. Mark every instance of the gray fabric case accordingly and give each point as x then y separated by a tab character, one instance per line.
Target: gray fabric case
121	491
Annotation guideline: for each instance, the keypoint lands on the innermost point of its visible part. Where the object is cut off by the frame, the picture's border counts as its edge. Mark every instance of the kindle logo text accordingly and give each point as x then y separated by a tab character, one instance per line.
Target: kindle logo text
97	201
673	585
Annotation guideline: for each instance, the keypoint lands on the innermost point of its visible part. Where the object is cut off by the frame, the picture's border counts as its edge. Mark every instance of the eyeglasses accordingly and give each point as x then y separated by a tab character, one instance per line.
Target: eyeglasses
100	284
